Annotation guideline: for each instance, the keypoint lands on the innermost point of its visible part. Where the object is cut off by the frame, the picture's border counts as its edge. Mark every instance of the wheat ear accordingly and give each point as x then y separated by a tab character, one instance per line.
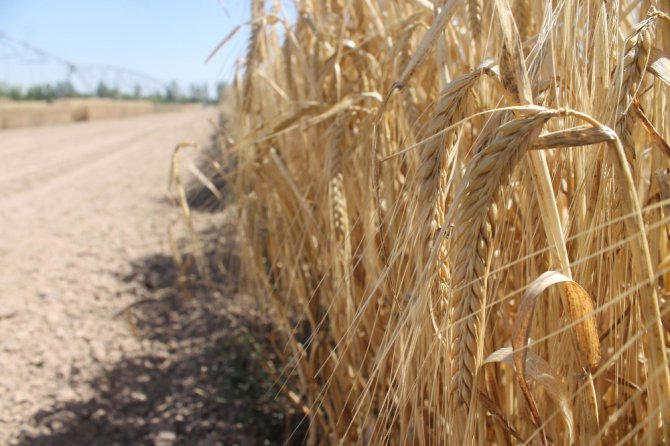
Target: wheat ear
339	217
634	66
474	8
522	17
257	7
473	227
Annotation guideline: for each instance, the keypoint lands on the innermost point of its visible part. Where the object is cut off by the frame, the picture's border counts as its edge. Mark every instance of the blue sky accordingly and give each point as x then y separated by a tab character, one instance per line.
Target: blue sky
167	39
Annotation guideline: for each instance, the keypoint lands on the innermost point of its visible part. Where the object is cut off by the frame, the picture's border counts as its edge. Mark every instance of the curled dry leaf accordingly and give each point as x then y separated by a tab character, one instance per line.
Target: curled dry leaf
579	307
541	372
580	310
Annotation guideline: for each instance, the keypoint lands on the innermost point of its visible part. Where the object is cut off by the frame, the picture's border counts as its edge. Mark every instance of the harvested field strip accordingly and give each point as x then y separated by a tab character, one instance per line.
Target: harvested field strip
34	113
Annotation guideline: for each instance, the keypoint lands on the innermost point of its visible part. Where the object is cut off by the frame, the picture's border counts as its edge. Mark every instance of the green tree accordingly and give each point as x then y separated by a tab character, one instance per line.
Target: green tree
199	92
65	90
172	92
15	93
41	93
103	91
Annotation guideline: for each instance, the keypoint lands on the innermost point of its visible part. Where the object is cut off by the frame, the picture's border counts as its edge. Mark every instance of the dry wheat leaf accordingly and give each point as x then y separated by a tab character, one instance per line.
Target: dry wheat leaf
579	307
541	372
204	180
580	311
654	134
659	65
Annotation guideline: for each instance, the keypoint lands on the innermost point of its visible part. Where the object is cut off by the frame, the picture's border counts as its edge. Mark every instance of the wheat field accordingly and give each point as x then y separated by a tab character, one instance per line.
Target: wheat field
457	213
36	113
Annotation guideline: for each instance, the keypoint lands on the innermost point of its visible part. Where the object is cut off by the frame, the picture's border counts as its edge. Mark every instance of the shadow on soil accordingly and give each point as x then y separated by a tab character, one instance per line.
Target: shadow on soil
201	381
216	163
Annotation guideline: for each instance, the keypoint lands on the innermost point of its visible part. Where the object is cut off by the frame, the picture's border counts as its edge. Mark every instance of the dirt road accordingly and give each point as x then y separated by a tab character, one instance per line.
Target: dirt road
79	204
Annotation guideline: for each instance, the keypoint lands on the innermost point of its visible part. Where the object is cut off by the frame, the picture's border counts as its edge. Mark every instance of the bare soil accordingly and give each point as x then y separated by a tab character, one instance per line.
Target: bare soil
98	344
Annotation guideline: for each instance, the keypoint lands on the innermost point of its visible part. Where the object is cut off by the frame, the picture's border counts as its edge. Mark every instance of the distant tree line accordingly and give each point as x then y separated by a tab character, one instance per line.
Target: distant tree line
62	90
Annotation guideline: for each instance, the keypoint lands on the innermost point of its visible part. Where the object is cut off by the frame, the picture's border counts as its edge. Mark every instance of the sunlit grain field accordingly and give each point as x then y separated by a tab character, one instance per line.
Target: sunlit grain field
455	212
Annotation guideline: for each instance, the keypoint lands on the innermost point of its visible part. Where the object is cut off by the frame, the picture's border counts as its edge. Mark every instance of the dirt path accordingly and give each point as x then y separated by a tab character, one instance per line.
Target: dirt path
79	206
